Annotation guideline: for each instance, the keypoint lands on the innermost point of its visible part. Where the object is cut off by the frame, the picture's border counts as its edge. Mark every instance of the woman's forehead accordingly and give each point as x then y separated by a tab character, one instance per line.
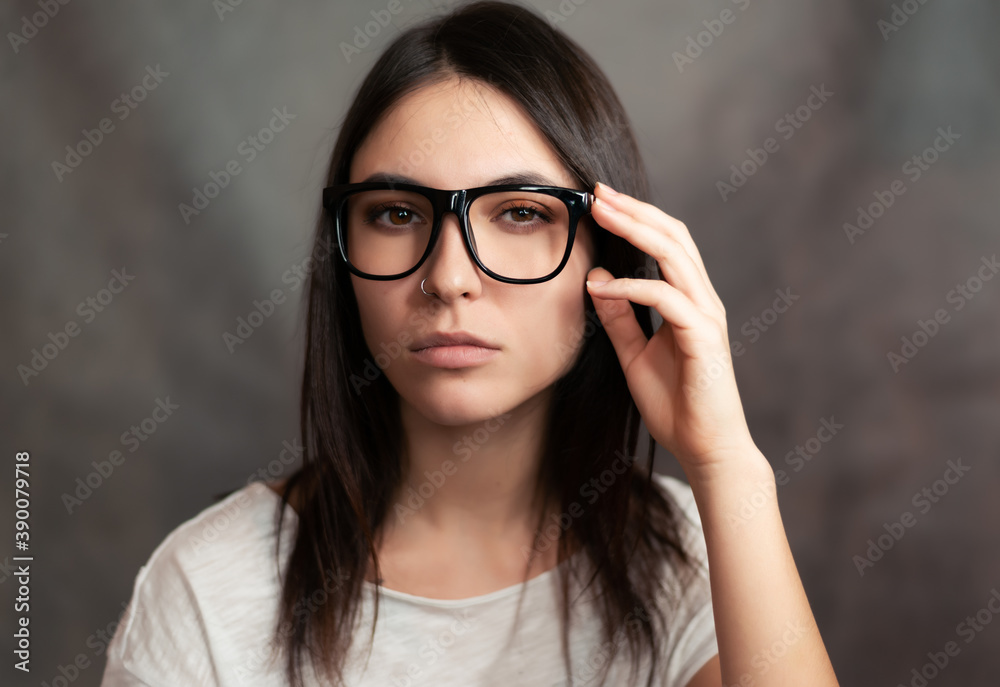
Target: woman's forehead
456	134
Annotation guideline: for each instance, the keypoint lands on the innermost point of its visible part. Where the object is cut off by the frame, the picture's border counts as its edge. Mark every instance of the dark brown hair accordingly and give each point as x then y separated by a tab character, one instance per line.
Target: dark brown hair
353	437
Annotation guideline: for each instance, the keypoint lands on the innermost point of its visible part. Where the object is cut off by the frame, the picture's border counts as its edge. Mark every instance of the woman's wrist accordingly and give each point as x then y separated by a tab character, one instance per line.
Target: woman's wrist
729	468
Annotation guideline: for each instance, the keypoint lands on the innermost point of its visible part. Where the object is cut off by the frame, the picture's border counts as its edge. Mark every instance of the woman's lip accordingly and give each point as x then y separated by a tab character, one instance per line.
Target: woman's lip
455	356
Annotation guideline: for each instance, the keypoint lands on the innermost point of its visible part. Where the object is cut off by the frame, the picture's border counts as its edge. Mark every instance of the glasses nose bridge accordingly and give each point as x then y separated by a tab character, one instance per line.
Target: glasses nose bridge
452	201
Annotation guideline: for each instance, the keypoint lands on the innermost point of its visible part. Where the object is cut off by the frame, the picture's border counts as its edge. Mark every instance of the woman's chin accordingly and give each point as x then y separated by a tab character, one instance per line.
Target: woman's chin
454	405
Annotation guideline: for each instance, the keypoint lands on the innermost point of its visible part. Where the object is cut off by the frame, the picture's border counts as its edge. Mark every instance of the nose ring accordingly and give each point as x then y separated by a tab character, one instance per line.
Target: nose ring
422	287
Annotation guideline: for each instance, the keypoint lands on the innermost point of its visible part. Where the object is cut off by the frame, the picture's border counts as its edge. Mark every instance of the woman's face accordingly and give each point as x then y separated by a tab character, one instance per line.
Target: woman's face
456	135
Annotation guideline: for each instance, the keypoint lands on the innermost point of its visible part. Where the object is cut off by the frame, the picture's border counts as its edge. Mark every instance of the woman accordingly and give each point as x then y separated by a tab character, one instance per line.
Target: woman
469	511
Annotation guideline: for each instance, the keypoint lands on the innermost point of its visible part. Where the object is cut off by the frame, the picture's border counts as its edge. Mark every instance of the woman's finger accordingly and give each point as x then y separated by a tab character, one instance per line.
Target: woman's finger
674	261
691	327
618	319
654	216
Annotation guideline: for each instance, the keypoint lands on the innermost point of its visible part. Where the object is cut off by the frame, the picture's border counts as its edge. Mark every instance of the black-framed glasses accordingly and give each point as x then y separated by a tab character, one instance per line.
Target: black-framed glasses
515	233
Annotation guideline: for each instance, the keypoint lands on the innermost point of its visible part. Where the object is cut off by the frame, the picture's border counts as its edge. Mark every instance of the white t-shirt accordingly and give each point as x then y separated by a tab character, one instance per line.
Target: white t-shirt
205	605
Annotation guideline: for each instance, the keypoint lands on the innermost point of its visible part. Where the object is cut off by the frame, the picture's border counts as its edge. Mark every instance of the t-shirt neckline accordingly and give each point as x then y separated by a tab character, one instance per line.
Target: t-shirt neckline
439	603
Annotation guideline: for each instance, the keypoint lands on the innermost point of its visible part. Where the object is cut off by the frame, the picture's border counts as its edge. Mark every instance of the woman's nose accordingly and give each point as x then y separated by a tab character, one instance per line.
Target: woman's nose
450	269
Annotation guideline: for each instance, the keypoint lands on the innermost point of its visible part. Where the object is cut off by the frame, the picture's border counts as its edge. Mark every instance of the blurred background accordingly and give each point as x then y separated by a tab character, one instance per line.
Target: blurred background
837	162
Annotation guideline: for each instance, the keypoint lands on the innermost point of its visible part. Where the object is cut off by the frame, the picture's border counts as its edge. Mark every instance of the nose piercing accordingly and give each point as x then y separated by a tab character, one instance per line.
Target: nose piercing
422	287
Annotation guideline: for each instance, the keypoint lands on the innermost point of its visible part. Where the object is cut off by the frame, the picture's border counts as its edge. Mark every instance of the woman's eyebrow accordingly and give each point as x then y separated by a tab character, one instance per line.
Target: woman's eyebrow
385	177
523	178
516	178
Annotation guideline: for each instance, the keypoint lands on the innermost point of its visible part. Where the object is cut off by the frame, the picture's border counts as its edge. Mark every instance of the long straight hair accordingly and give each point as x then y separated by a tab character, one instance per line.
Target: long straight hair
350	421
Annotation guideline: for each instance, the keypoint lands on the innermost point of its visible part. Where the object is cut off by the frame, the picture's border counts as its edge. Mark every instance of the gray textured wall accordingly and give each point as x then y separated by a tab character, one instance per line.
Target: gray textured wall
63	234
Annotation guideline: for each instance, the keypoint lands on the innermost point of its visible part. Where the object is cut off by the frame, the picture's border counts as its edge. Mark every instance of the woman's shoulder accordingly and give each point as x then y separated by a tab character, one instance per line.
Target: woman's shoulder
228	541
212	582
238	526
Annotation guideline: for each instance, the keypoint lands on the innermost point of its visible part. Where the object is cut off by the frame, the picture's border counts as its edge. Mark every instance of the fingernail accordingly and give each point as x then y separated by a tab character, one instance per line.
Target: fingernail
604	205
592	284
608	188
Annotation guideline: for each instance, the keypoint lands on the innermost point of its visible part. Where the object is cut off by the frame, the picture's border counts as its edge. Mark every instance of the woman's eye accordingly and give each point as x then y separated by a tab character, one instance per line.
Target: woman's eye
399	215
396	215
524	214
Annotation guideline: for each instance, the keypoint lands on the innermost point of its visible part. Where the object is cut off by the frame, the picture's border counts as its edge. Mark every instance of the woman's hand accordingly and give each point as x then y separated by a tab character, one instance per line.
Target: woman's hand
683	383
682	378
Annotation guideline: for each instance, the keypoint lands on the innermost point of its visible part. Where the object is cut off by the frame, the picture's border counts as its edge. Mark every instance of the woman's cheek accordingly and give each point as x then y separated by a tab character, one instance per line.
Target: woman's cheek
555	343
382	321
575	330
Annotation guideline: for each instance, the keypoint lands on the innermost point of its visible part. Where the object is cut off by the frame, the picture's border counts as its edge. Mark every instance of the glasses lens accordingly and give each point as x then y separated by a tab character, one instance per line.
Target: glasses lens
519	234
516	234
387	230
